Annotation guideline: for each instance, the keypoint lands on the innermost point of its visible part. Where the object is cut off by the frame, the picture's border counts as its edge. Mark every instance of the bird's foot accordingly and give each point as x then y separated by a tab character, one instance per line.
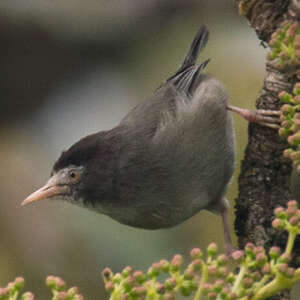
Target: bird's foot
268	118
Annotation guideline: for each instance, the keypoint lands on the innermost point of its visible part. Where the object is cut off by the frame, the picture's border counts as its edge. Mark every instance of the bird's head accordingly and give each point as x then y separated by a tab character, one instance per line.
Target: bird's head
82	175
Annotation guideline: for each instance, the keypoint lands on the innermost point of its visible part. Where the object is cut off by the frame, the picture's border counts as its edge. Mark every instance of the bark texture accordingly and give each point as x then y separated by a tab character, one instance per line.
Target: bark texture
265	175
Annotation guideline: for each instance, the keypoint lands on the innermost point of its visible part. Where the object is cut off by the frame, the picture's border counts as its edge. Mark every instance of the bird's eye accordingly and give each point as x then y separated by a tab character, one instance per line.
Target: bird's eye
74	175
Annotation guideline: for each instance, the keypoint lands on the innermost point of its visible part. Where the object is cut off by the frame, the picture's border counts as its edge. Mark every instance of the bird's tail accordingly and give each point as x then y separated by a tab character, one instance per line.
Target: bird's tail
187	76
199	43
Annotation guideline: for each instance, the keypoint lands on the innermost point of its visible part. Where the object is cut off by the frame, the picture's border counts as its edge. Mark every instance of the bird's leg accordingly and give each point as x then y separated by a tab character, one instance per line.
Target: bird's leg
268	118
227	238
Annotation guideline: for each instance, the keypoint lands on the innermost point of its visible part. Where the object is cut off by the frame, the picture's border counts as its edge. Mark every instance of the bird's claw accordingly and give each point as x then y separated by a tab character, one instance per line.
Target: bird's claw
268	118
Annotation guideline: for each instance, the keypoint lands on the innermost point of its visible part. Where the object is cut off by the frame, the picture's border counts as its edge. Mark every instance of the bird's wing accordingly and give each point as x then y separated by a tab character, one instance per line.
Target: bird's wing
156	110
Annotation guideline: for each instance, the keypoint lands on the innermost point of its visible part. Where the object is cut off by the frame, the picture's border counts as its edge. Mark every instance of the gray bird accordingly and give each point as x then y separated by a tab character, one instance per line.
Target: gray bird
169	158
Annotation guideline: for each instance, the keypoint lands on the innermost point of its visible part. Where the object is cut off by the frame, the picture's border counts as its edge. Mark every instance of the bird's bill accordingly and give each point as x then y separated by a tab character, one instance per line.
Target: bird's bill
49	190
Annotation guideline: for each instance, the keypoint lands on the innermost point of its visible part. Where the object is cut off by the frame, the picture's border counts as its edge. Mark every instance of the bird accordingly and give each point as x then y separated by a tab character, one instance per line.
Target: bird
170	157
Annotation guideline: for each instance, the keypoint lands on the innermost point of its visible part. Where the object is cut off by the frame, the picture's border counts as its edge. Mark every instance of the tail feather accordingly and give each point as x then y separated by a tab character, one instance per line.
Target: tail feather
188	75
197	45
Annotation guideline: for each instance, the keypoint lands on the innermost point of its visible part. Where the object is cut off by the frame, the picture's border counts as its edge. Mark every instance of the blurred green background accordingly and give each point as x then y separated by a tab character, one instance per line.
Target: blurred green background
70	68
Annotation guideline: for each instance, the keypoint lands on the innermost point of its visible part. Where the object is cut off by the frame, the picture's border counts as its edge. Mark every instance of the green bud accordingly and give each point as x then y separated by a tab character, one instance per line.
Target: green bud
266	269
128	283
212	249
287	152
189	274
26	296
278	224
222	260
247	282
285	258
207	287
274	252
218	285
280	213
139	277
294	221
285	97
212	270
230	278
196	264
138	291
187	287
238	256
127	271
296	89
165	266
109	286
282	268
196	253
117	278
175	263
160	288
170	283
153	272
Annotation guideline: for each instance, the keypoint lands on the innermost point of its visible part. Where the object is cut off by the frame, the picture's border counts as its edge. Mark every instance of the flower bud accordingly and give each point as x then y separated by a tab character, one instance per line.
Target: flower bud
126	272
139	291
189	274
230	278
212	249
55	283
139	277
109	286
260	259
212	296
278	224
196	253
196	264
282	268
117	278
256	276
280	213
128	283
287	153
153	272
222	272
165	266
19	283
26	296
247	282
238	256
4	291
274	252
107	274
176	262
222	260
170	283
285	97
160	288
62	295
296	89
207	287
294	221
266	269
218	285
287	109
284	258
187	287
212	270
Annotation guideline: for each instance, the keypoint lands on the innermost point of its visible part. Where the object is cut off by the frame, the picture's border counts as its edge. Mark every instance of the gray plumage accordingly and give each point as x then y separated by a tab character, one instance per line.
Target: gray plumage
169	158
